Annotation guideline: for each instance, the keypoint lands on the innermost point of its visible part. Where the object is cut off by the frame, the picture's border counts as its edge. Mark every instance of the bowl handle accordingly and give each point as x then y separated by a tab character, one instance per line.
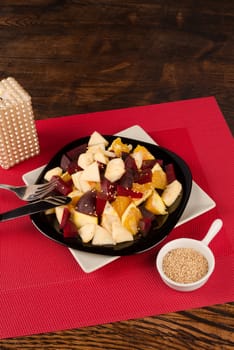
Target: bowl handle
212	232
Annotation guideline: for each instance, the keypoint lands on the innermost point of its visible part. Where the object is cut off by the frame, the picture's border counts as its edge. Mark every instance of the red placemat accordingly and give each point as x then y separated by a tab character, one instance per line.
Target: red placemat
42	287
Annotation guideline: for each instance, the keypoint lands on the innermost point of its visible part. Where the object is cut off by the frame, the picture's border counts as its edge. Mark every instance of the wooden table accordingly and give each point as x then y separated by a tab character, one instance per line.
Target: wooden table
83	56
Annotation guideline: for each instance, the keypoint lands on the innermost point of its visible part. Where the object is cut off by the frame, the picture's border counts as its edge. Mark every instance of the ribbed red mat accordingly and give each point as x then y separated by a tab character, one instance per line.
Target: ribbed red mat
43	289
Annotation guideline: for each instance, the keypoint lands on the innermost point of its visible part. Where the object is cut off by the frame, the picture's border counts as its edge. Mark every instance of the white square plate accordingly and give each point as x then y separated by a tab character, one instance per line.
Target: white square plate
199	203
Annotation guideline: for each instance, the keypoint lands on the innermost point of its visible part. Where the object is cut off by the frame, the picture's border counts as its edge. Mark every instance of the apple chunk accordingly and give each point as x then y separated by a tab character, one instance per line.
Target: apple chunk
120	233
96	138
85	159
115	169
87	232
109	216
81	219
79	182
57	171
91	173
171	192
102	237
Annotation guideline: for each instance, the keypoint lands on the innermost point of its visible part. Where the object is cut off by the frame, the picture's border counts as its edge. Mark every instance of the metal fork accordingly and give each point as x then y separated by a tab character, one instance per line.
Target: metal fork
31	192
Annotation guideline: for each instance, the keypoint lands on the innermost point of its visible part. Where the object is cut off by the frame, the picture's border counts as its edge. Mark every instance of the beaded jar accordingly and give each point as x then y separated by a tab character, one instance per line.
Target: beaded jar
18	134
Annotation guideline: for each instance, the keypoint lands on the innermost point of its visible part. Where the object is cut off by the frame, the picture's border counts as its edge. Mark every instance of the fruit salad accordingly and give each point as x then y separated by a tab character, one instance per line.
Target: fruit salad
117	191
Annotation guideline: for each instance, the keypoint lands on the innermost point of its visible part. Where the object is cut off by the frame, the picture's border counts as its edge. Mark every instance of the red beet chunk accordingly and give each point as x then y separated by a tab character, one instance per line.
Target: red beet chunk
160	162
148	164
70	230
122	191
146	213
124	155
127	179
170	171
130	163
65	217
61	186
73	167
108	189
65	161
87	203
101	200
145	226
143	176
74	153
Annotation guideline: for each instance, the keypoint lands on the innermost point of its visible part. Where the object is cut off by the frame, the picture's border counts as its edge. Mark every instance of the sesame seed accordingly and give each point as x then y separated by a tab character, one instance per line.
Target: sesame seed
184	265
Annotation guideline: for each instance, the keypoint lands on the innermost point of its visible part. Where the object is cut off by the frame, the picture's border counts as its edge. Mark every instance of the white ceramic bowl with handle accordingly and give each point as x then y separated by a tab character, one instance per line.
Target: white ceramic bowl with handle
199	246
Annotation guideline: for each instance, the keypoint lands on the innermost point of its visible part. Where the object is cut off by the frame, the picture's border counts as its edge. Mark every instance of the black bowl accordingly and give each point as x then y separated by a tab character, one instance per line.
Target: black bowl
47	224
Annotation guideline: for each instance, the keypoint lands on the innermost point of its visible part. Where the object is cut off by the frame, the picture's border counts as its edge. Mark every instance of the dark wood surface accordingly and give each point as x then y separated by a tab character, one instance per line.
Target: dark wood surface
84	56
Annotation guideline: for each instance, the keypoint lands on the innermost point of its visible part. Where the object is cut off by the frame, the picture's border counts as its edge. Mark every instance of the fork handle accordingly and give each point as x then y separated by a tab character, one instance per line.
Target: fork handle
7	187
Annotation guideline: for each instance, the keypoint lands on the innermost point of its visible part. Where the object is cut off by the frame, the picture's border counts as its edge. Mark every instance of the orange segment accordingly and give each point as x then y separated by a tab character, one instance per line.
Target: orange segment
95	185
120	204
66	177
159	177
155	204
119	147
142	187
146	189
146	155
131	217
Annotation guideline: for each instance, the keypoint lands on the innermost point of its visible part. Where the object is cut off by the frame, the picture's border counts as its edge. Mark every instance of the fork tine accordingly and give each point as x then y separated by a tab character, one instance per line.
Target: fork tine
45	187
41	191
31	192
